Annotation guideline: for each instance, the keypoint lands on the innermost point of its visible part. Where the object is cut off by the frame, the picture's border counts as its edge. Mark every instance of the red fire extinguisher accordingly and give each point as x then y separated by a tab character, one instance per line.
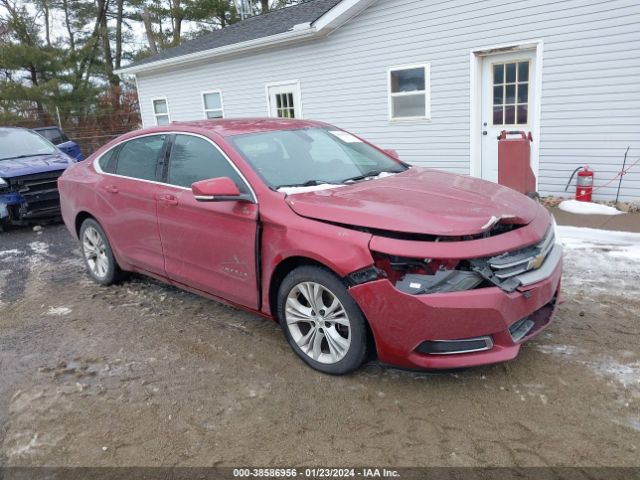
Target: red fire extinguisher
584	185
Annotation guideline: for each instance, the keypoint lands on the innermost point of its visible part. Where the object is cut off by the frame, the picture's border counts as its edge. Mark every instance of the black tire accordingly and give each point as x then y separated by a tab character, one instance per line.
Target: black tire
113	273
358	333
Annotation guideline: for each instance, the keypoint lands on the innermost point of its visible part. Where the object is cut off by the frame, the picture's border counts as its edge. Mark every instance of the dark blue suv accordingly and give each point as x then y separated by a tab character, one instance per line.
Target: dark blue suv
60	140
29	169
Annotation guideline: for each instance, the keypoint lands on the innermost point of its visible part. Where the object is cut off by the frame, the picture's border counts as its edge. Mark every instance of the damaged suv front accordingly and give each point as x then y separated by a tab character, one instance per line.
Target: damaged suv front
29	169
450	302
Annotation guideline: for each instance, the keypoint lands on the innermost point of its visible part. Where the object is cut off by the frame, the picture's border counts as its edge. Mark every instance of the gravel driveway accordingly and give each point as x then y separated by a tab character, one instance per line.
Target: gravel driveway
145	374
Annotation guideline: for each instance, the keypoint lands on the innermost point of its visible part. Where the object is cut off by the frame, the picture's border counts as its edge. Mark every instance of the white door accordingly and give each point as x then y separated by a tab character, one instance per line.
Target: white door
507	102
284	100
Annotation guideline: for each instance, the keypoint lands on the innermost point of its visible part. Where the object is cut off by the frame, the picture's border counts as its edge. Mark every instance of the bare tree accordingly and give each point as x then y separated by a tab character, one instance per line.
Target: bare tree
148	28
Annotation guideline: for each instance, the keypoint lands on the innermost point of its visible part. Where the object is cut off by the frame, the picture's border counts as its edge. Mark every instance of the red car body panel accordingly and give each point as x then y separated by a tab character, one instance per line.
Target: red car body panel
481	247
432	202
455	315
233	250
210	246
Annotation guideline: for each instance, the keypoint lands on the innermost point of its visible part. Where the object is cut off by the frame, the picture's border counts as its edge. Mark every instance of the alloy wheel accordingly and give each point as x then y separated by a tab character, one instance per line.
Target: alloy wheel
318	322
95	251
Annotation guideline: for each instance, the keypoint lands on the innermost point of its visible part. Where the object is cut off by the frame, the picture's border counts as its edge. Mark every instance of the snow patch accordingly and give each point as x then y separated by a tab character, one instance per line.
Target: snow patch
587	208
624	245
596	235
313	188
627	374
58	311
26	448
9	255
40	248
557	349
327	186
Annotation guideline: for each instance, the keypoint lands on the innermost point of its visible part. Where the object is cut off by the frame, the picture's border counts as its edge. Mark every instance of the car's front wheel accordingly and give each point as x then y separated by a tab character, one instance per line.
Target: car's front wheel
97	253
321	321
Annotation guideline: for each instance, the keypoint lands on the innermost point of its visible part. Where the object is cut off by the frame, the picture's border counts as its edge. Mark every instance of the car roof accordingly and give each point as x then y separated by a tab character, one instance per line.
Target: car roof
46	128
240	126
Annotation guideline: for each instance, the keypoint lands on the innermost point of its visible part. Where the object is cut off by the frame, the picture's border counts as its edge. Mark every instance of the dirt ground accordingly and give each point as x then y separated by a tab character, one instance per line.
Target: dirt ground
145	374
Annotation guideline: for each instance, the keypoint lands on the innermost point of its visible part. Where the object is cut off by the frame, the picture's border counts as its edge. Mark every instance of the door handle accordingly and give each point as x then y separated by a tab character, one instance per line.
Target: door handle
484	132
111	189
169	200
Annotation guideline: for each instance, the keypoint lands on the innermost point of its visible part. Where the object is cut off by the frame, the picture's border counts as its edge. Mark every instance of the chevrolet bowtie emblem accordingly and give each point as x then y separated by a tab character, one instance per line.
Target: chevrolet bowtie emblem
536	262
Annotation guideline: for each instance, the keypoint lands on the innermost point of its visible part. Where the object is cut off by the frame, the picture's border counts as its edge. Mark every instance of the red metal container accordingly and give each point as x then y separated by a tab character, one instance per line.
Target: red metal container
584	185
514	162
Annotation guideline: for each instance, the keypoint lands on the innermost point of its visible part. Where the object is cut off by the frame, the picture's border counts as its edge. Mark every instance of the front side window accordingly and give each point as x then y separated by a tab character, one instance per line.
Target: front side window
409	92
212	102
19	143
312	156
139	158
161	111
193	159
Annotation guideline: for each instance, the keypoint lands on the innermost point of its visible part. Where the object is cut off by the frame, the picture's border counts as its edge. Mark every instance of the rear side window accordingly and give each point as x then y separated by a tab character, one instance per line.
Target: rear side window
54	135
194	159
139	158
106	165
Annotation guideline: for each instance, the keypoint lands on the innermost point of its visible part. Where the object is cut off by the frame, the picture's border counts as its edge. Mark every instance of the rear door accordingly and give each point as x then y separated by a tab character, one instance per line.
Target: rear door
209	246
129	187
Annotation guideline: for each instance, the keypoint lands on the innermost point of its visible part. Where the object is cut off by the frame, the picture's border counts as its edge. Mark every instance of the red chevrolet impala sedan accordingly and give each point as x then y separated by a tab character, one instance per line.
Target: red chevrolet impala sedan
351	250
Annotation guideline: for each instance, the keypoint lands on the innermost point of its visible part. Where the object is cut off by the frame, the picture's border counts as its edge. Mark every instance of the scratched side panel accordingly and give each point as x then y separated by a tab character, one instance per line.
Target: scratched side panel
287	235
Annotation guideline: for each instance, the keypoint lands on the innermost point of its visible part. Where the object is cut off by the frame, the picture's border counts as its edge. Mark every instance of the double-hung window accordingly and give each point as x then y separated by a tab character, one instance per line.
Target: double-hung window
212	104
161	111
409	92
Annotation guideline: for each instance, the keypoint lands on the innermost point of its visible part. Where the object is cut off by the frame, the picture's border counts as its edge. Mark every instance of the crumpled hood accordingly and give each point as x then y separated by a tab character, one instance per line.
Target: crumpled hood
36	164
420	201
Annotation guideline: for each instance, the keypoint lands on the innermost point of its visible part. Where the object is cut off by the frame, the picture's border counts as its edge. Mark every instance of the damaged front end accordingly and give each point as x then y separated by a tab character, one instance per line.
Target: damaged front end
459	303
508	271
29	197
523	267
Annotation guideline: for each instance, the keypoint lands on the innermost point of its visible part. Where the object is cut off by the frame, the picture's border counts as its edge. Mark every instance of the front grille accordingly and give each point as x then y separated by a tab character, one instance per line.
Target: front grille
515	263
40	192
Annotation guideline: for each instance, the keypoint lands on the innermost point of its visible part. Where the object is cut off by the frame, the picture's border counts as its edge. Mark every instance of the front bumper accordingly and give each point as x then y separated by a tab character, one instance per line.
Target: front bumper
402	322
8	200
30	197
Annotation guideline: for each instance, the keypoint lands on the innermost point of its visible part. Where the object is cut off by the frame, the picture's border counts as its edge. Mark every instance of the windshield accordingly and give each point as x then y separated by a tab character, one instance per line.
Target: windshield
23	143
312	156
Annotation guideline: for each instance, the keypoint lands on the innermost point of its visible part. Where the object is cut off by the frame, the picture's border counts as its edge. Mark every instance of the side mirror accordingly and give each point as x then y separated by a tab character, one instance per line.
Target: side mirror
221	189
392	153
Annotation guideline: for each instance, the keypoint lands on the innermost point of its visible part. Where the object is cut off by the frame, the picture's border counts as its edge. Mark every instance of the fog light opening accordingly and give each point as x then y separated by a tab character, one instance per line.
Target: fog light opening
520	329
451	347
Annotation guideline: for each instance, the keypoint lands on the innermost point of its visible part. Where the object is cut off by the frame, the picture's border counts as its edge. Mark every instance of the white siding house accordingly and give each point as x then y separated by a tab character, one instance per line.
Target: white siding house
428	78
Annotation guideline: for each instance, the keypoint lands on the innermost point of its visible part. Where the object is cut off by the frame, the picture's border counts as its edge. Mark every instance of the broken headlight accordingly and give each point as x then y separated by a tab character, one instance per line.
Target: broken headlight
417	276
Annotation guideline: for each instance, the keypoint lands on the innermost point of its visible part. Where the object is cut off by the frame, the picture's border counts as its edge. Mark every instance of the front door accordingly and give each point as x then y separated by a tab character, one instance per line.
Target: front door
284	100
129	189
507	102
209	246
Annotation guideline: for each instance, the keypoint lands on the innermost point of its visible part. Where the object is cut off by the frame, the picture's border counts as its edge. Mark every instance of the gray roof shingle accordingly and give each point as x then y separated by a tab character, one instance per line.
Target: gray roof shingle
259	26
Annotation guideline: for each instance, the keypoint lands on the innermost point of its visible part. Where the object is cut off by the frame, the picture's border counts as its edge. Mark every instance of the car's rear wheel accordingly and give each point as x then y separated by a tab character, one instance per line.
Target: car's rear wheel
97	253
321	321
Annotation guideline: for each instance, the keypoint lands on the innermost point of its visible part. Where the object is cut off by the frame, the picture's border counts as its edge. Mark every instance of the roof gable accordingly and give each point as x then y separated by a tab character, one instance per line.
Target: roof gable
279	26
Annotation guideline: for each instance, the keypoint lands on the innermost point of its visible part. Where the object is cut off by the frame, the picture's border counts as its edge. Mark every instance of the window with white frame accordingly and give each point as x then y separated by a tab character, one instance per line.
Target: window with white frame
161	111
212	104
409	92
